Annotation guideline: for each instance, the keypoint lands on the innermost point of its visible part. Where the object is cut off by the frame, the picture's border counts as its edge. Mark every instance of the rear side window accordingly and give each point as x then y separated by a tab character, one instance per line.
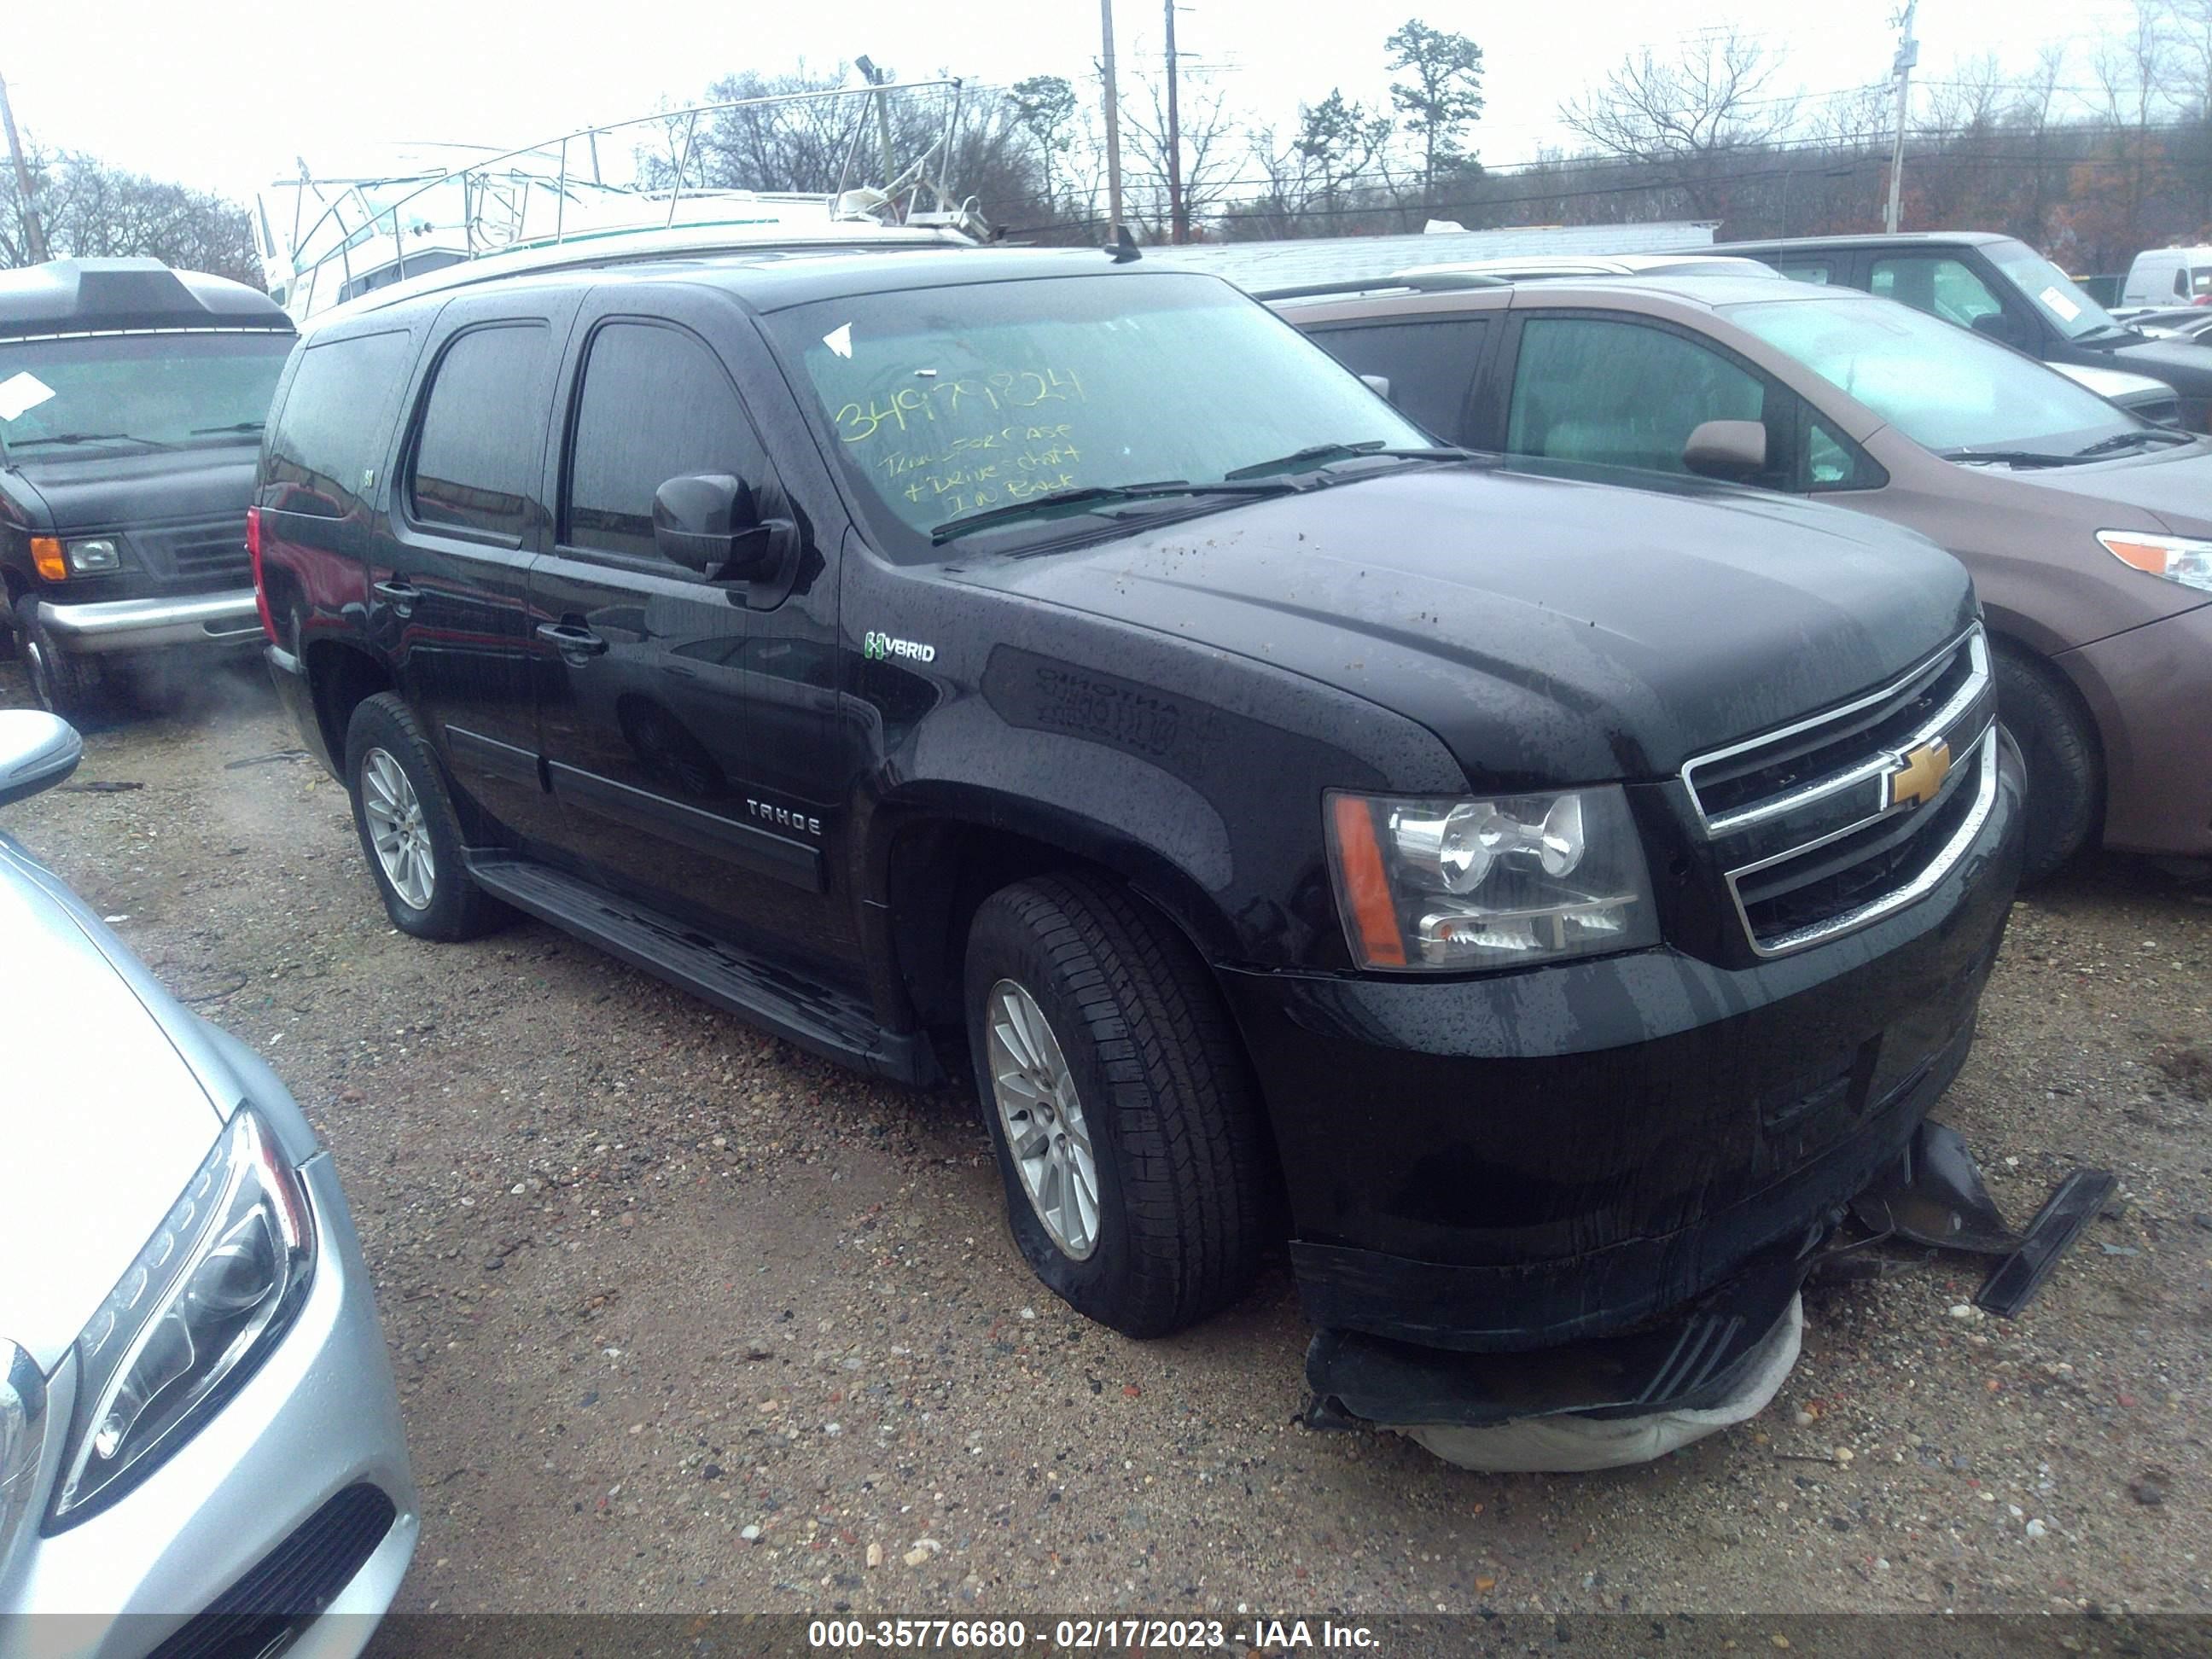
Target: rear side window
1429	365
1814	271
656	405
336	427
477	463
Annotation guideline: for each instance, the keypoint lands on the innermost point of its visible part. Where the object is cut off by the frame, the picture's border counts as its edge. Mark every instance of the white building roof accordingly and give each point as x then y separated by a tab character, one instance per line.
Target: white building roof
1350	259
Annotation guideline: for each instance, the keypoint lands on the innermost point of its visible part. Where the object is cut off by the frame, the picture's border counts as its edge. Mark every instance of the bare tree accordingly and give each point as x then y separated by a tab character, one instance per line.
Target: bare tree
1691	115
2133	71
825	143
92	210
1210	136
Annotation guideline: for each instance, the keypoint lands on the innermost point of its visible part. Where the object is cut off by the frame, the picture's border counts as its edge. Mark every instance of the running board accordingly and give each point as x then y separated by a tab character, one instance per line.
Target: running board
817	1018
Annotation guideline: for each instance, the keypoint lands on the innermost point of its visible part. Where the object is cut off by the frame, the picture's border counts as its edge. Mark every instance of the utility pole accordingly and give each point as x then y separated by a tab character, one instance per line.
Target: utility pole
1178	210
1112	122
1908	54
34	237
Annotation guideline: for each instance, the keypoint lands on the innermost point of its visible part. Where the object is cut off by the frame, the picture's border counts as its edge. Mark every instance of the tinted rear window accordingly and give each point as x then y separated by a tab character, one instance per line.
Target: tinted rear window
335	427
478	460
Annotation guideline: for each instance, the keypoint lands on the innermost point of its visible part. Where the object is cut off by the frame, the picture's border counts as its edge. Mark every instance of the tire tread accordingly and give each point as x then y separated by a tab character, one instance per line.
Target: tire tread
2065	773
1181	1111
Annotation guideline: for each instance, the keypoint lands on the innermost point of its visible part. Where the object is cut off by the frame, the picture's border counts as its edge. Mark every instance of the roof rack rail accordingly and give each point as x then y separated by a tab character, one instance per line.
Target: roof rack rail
1434	281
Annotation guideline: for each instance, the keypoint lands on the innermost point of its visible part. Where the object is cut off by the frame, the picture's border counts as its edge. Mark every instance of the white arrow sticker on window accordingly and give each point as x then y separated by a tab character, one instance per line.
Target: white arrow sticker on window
840	339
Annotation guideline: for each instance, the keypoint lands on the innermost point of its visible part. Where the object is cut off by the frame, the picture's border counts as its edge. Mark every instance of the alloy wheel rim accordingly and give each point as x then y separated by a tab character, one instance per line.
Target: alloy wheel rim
1042	1115
396	829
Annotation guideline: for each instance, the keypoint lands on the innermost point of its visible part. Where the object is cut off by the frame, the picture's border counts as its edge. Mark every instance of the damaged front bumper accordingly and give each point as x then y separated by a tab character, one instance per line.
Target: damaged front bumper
1594	1190
1718	1351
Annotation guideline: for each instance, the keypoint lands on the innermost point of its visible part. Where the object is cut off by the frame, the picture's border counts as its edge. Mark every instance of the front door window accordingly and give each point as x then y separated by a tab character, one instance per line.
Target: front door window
1626	394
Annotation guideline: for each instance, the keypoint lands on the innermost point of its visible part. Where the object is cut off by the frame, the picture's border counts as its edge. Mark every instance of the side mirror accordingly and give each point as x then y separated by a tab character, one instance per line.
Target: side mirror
1377	384
1996	325
709	522
37	751
1732	450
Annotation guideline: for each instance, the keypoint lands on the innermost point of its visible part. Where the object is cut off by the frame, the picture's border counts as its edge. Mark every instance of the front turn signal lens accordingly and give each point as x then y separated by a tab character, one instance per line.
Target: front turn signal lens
47	559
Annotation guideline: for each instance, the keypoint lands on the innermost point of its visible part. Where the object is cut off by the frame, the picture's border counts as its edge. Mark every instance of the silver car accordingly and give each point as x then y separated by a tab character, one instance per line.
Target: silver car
200	1448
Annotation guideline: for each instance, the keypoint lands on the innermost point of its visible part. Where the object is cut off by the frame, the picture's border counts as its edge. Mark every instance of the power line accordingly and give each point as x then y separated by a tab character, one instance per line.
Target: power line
1871	161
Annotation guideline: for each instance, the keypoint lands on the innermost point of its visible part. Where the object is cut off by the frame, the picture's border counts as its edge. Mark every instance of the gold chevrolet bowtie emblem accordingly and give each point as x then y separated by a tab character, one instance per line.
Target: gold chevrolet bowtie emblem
1920	774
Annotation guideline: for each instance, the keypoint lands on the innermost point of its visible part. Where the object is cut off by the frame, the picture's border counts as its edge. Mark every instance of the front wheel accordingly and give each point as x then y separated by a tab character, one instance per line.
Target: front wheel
1119	1103
2065	778
408	830
61	681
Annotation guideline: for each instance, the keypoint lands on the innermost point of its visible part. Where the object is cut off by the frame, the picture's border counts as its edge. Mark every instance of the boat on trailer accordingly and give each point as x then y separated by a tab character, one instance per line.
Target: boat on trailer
327	240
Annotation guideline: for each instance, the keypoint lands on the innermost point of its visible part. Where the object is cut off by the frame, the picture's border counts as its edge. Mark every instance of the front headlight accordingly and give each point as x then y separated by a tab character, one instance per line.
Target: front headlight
95	555
22	1435
2176	558
1501	881
201	1307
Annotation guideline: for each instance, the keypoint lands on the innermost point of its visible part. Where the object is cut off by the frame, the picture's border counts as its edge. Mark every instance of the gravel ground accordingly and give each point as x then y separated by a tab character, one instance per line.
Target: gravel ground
684	1320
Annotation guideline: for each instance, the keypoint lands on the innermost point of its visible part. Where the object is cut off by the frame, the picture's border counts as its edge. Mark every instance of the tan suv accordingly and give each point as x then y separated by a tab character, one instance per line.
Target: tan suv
2087	530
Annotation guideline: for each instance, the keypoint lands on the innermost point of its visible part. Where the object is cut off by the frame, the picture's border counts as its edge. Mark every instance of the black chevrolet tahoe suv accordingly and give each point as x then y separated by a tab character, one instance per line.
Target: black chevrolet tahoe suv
1547	902
132	403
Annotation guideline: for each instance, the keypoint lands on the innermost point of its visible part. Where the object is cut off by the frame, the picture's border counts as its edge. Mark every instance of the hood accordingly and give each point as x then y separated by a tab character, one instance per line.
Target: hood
106	491
2161	489
1554	625
2182	364
2120	385
103	1118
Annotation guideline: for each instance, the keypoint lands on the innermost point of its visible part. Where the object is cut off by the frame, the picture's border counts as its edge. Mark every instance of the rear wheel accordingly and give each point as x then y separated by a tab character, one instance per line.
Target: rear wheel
62	681
408	829
2065	775
1125	1126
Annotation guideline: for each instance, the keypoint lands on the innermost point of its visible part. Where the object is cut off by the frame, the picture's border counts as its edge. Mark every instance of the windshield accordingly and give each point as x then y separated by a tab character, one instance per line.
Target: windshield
104	394
2057	296
1936	383
947	402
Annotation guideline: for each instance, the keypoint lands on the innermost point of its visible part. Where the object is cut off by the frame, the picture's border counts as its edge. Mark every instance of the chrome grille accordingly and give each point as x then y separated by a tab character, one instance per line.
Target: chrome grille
1836	821
213	547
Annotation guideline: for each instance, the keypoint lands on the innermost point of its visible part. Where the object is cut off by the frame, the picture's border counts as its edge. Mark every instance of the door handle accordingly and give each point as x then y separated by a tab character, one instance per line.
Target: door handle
399	593
574	641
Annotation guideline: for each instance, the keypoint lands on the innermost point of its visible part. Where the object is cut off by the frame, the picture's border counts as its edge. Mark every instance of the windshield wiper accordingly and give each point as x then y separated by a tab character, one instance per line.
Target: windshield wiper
2120	440
236	425
1318	455
1100	494
88	438
2006	457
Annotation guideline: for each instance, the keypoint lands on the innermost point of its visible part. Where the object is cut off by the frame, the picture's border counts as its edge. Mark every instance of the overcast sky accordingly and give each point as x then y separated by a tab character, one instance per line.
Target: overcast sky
226	95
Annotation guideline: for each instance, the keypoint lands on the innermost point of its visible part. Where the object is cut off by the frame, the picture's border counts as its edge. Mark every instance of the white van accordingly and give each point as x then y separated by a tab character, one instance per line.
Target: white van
2169	276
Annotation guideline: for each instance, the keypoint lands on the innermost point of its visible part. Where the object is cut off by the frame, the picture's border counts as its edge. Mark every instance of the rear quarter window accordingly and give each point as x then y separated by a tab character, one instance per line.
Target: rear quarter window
335	425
